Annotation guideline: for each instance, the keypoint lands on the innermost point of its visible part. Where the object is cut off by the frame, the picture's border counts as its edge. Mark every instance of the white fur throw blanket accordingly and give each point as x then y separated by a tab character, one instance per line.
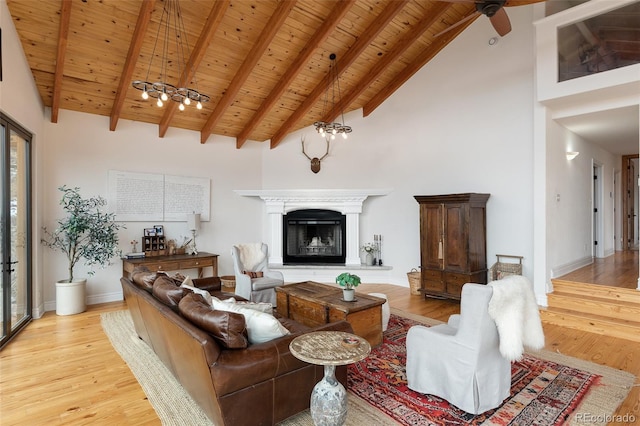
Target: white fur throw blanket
514	309
250	255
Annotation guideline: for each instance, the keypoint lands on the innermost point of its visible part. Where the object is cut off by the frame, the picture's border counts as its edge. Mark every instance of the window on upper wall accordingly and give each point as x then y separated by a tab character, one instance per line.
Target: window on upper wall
600	43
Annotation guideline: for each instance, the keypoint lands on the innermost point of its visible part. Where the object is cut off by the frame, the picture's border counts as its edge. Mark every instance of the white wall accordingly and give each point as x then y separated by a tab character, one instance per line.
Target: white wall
570	199
462	124
80	151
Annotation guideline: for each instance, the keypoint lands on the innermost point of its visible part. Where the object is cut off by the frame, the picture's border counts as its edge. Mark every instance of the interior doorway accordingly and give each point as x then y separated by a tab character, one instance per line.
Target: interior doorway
629	190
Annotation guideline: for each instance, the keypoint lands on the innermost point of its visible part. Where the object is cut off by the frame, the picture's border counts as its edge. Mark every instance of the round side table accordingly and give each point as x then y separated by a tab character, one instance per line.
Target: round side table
329	348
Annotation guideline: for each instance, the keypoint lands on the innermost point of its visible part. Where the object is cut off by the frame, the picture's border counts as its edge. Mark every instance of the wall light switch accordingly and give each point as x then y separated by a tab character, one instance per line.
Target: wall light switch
558	197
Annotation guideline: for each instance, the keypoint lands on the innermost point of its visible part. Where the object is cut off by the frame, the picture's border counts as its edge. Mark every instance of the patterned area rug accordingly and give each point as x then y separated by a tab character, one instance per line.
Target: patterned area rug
543	392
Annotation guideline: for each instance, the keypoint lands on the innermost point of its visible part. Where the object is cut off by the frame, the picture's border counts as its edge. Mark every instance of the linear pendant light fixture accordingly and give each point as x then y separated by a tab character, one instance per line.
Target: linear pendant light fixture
330	130
172	27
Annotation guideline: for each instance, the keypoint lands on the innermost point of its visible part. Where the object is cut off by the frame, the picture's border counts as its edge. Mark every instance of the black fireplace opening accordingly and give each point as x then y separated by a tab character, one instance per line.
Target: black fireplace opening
314	236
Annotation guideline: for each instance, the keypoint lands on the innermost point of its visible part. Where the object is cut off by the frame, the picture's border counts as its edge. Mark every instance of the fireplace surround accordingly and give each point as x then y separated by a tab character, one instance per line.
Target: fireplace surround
279	202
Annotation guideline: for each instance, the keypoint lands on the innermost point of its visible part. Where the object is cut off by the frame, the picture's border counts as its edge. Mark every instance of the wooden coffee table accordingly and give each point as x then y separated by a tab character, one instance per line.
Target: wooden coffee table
314	304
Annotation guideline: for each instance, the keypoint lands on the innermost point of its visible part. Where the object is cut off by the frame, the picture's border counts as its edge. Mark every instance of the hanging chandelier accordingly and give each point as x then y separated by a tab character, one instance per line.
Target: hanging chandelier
331	95
172	27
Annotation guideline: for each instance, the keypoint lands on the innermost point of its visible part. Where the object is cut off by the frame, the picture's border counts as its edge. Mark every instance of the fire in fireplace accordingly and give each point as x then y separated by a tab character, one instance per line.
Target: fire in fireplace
314	236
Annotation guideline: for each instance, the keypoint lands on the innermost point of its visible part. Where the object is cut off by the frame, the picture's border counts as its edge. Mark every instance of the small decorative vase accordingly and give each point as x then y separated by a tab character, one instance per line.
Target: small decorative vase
369	259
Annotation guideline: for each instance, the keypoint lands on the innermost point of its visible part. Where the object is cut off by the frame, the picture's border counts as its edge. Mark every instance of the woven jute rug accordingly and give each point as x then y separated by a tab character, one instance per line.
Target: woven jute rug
163	390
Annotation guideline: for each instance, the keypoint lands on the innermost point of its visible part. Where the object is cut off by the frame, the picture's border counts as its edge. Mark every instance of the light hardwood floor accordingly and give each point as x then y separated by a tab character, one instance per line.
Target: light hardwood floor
64	371
618	270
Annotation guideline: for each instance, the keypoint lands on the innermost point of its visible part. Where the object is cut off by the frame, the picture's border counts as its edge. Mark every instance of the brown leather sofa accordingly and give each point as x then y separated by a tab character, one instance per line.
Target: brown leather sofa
262	384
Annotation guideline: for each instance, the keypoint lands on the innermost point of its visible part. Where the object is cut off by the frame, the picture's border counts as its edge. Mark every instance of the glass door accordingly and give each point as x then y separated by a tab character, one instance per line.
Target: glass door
15	228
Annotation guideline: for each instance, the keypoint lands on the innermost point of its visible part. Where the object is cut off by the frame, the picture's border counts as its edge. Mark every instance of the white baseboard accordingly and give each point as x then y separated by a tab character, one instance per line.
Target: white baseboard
91	300
571	266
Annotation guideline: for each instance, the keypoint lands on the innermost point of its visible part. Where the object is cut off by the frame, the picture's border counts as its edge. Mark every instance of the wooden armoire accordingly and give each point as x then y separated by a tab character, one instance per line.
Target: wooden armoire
453	248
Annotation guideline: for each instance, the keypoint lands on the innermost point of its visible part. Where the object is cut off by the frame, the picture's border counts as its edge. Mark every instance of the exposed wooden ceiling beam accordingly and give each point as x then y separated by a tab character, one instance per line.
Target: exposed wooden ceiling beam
381	21
412	68
65	17
400	47
144	17
264	39
199	50
328	25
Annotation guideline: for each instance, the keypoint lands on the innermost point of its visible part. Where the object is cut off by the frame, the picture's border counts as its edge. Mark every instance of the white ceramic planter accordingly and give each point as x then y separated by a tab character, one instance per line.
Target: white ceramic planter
71	297
348	295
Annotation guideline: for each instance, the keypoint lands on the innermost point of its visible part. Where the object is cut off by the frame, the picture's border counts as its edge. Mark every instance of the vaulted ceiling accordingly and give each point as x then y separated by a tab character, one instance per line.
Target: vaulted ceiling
264	63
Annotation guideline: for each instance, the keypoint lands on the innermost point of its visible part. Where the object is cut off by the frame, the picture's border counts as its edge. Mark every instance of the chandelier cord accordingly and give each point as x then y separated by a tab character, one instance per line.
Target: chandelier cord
325	129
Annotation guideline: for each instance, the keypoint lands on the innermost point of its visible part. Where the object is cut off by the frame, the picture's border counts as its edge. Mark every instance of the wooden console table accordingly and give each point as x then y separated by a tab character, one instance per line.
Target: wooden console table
173	263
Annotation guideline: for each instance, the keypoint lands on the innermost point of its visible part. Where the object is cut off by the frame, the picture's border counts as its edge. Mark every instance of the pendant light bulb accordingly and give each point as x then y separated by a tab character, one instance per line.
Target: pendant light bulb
159	103
333	132
164	96
199	105
145	95
344	135
333	137
181	107
187	101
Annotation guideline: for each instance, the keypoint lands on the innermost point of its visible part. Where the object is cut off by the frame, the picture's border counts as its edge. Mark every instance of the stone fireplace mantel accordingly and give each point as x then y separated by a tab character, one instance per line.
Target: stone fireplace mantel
279	202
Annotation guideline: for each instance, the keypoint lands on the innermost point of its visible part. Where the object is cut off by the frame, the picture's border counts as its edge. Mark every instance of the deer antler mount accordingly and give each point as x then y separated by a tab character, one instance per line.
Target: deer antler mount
315	161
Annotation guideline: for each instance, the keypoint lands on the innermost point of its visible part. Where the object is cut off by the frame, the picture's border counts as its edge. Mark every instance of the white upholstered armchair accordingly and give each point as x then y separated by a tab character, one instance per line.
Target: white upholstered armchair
461	361
254	280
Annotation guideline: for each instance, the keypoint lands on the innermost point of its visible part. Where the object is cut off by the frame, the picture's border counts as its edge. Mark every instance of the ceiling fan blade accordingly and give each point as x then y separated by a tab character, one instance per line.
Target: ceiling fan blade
460	22
500	22
518	2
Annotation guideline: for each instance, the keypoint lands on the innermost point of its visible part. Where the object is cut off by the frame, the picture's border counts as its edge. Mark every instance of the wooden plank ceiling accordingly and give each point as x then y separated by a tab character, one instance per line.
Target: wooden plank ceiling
264	63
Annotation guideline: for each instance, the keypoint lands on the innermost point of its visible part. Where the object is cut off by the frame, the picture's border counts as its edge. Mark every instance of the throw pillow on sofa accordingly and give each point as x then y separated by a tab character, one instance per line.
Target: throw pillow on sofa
265	307
166	291
228	328
261	327
188	284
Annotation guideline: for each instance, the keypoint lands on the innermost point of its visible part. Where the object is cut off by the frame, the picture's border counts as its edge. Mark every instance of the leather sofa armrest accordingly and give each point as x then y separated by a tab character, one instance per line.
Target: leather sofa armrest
208	284
239	368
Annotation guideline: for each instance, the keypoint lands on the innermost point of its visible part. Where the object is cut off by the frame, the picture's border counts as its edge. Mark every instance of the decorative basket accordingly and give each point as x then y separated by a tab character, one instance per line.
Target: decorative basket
501	269
228	280
414	281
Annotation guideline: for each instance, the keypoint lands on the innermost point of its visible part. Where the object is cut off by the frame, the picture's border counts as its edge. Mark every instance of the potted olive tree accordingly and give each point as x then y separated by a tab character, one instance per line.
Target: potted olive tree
349	282
84	233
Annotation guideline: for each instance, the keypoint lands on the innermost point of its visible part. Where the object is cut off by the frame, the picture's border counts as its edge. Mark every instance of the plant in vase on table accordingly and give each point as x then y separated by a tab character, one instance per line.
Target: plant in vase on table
84	233
349	282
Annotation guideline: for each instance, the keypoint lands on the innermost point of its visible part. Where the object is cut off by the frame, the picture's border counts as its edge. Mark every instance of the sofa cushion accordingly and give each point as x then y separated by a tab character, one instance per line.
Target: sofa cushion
143	277
261	327
228	328
166	291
